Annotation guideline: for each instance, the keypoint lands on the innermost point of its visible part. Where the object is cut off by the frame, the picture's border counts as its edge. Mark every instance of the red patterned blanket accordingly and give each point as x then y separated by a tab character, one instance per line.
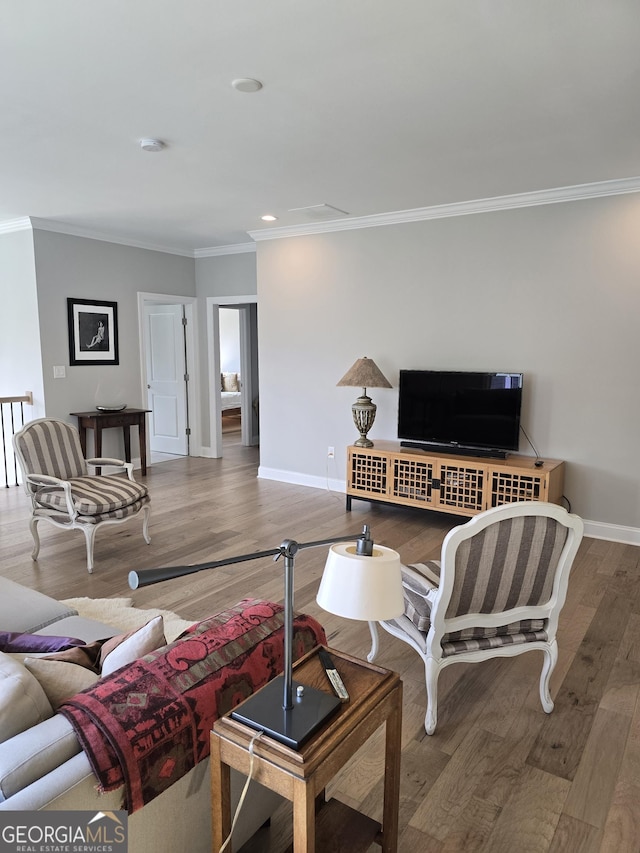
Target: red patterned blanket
148	724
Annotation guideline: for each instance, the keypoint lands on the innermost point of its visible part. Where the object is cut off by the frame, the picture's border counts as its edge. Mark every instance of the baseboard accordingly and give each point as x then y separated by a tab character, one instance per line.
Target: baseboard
593	529
612	532
328	484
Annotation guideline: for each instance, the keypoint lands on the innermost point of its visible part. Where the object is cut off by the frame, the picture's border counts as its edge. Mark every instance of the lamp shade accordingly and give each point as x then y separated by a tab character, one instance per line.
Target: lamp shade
359	587
365	373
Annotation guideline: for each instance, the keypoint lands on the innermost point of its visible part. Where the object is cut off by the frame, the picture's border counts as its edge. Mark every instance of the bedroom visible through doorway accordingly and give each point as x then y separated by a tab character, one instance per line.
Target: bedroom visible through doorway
233	360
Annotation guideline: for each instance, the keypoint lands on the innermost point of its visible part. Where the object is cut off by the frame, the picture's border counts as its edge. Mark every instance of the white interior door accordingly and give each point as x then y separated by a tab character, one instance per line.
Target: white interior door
166	379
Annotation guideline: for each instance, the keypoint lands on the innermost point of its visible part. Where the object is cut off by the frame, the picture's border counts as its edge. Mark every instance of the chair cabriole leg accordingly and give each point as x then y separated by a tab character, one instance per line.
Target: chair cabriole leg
373	628
146	512
432	670
33	527
90	535
549	664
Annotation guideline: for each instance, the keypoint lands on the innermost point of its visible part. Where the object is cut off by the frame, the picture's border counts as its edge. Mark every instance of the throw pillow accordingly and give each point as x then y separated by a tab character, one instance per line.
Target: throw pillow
230	382
60	680
17	642
23	702
125	648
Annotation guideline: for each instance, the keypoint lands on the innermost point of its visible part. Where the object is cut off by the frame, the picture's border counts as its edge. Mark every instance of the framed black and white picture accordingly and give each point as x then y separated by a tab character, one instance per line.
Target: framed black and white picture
93	331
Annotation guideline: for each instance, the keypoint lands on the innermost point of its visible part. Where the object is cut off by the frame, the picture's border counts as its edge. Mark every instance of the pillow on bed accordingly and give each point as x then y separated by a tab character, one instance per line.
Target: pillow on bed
230	382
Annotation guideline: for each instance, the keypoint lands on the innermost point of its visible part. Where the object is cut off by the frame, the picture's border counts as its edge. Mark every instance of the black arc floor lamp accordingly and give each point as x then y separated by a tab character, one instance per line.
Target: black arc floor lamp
285	710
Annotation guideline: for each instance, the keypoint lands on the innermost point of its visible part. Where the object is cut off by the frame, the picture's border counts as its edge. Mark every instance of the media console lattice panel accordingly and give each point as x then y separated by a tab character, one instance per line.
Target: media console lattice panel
461	485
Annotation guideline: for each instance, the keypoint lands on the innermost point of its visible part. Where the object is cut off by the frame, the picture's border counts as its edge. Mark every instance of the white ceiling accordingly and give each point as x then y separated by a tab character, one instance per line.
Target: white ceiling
370	106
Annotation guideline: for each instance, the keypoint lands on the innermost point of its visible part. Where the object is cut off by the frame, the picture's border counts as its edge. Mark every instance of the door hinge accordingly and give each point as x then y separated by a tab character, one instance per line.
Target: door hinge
184	321
188	431
186	377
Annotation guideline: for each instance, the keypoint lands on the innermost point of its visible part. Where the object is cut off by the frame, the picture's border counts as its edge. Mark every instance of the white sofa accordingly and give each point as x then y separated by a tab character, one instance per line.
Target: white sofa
44	767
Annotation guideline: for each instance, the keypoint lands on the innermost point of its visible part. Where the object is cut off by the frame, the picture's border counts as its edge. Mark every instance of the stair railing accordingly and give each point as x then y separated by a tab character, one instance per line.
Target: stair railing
12	419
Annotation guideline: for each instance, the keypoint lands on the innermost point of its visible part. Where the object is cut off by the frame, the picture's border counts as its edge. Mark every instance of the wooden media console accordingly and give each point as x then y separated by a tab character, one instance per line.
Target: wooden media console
462	485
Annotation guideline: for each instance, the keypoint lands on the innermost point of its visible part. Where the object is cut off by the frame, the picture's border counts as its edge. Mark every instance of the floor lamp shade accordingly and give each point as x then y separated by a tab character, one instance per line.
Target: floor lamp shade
361	587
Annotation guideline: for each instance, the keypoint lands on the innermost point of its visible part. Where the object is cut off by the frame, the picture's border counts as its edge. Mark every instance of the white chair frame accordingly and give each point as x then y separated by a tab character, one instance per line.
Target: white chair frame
429	645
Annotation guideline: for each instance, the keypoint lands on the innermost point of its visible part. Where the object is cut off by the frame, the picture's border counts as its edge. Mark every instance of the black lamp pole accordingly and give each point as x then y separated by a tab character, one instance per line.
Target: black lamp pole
293	719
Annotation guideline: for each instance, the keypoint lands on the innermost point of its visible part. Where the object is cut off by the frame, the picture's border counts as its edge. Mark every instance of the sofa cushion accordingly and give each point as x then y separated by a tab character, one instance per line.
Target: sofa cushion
80	626
24	609
32	754
60	680
125	648
23	702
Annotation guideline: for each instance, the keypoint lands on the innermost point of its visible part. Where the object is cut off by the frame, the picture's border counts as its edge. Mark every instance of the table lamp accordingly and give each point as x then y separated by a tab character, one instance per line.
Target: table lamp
283	709
365	589
365	373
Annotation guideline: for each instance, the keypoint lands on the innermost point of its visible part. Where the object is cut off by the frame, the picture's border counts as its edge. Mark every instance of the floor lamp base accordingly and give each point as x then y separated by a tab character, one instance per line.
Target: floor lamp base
264	711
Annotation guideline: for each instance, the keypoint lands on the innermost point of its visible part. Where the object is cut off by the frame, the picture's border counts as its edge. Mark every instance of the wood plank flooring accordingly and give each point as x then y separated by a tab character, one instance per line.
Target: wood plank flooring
498	775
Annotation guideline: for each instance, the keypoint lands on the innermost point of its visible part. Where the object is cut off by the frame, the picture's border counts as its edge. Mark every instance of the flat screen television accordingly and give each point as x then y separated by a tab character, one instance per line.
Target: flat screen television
457	411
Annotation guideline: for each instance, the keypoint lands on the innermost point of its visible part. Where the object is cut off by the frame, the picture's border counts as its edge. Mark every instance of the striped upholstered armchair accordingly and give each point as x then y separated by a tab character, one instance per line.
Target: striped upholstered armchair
496	591
63	492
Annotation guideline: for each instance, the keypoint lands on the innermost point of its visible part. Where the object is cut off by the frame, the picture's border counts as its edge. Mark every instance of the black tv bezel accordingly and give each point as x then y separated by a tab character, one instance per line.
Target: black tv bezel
499	450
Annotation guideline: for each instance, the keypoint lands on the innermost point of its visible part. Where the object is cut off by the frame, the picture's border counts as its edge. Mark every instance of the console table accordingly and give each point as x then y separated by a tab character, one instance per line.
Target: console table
301	777
97	421
452	483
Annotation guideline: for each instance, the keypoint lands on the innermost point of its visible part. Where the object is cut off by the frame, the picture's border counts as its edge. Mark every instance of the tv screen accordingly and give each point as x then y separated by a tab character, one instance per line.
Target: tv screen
462	410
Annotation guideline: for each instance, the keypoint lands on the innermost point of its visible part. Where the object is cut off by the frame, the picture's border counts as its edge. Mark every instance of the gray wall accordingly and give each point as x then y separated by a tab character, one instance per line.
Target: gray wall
75	266
227	275
20	354
552	291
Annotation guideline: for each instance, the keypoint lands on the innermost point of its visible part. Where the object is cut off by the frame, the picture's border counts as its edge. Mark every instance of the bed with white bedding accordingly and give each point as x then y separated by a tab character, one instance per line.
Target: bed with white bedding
230	400
230	391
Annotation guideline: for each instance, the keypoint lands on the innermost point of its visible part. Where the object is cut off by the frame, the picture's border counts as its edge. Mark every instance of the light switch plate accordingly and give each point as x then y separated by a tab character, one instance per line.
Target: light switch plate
59	371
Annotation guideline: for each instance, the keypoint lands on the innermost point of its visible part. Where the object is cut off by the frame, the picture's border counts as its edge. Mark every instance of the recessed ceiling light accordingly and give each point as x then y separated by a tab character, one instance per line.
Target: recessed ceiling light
246	84
268	217
149	144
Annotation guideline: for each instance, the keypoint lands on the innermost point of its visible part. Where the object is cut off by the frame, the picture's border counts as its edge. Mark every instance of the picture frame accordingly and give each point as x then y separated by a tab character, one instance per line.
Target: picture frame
93	331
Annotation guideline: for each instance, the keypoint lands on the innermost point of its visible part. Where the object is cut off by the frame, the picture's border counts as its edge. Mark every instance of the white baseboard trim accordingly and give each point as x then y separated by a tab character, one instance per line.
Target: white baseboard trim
612	532
327	484
593	529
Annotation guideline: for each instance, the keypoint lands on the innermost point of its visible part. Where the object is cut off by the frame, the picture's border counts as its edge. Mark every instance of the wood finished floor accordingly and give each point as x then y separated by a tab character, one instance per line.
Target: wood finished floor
498	775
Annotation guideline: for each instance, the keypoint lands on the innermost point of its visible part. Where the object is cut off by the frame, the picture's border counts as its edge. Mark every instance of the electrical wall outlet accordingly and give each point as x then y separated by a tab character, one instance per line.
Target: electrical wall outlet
331	452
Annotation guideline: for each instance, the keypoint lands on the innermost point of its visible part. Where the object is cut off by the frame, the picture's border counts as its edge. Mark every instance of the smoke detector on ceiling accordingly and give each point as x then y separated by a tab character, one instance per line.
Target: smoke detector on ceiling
246	84
149	144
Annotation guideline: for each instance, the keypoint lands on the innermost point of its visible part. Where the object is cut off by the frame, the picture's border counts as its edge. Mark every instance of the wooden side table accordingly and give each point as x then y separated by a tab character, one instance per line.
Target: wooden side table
97	421
301	777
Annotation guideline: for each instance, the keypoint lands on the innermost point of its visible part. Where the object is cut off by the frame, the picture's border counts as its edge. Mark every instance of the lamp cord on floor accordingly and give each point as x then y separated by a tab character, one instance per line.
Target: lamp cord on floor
244	790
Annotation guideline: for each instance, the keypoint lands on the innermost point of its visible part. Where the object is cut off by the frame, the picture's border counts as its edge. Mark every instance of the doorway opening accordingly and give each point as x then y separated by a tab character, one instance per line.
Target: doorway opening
232	331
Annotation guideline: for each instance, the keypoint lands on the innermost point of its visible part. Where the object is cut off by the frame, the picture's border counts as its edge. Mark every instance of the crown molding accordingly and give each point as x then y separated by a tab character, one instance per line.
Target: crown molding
216	251
10	226
90	234
26	223
557	195
461	208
